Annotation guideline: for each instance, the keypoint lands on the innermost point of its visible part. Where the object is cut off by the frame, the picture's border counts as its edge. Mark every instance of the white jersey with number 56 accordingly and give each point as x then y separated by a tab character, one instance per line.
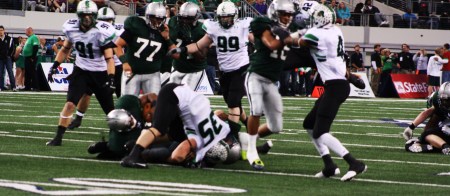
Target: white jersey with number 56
89	55
328	51
231	43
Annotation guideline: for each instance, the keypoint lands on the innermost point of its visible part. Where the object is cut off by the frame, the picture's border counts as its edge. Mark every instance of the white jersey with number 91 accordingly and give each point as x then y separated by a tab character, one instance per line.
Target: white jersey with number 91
89	55
231	43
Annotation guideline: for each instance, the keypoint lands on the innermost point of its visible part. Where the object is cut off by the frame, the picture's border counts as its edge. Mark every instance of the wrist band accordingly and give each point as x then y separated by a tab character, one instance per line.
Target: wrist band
412	126
56	64
123	59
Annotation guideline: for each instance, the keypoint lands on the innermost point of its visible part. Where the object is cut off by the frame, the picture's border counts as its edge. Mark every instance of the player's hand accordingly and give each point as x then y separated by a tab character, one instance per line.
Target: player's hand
280	32
165	31
176	51
127	70
50	74
407	133
110	83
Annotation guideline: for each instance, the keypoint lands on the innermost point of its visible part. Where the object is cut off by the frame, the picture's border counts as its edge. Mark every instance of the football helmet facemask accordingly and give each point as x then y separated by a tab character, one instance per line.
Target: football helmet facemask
155	15
189	14
323	16
226	14
281	11
87	14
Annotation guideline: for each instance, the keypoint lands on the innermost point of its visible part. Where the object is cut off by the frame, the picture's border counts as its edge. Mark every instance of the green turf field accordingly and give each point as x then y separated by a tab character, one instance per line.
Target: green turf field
369	128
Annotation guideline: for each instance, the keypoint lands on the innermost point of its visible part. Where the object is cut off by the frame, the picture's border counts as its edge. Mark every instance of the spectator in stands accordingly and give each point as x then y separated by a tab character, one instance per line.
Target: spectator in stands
20	63
423	13
58	45
357	60
72	6
445	20
6	56
343	15
36	5
446	66
375	17
433	70
405	62
334	5
421	60
58	5
261	6
357	13
408	16
376	63
388	59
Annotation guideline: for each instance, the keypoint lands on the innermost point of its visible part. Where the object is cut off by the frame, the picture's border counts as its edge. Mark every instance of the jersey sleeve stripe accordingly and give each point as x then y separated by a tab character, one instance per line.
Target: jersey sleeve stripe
109	39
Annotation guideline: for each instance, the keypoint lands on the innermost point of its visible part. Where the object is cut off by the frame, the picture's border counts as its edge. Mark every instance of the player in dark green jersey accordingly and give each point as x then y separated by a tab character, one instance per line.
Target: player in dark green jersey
266	64
137	112
436	134
185	29
147	42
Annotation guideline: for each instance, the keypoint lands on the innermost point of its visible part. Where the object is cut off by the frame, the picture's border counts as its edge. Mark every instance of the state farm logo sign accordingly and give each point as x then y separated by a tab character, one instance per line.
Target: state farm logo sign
103	186
407	87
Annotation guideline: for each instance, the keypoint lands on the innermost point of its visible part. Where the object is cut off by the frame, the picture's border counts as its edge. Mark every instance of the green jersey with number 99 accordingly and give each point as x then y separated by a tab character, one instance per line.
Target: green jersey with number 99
146	47
264	61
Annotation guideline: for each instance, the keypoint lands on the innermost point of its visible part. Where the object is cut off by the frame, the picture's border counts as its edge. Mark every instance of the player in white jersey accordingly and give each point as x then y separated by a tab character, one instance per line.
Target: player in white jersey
201	126
230	36
94	64
326	42
104	14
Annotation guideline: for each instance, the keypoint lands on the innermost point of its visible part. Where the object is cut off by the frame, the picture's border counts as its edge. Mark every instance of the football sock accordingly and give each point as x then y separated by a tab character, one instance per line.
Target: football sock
79	114
349	159
333	143
158	154
252	154
136	152
60	132
327	160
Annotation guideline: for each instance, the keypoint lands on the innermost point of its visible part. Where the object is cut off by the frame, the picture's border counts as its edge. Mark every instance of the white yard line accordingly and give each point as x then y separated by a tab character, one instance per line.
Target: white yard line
242	171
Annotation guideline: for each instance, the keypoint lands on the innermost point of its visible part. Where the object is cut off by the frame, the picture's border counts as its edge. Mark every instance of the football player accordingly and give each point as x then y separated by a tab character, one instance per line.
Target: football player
178	103
326	43
230	36
94	64
185	28
147	42
266	64
436	133
130	116
104	14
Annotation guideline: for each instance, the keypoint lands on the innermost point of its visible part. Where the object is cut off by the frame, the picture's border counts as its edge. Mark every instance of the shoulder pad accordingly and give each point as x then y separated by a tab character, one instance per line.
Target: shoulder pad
70	25
259	25
134	23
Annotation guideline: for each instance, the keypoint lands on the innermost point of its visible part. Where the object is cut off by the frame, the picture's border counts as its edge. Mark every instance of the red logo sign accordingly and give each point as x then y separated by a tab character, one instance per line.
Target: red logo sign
410	85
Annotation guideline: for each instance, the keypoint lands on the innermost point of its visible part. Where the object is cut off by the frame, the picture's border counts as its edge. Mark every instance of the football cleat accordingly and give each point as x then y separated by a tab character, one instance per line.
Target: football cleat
354	169
356	81
265	148
132	163
258	165
75	123
54	142
97	147
328	172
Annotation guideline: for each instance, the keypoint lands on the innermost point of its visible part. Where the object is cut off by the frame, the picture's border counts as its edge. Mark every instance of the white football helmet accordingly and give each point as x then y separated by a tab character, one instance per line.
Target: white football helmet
217	153
87	8
227	13
189	13
323	16
278	7
119	120
155	15
444	95
106	14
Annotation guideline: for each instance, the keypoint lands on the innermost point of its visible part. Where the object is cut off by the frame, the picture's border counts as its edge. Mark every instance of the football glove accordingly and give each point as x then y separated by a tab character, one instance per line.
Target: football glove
52	71
407	133
110	83
446	130
280	32
179	50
